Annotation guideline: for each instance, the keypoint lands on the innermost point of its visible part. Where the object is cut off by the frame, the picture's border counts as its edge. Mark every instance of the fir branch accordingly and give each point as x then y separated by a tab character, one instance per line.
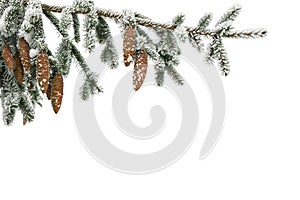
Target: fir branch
90	78
11	20
55	22
160	72
3	5
174	75
102	30
143	33
196	41
204	22
152	53
21	20
89	26
147	22
222	57
230	15
76	27
10	96
26	107
90	81
247	34
66	18
178	20
64	57
109	54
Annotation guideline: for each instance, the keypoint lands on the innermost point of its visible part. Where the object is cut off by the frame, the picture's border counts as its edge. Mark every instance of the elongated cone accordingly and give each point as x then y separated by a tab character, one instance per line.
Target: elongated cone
57	92
129	44
43	71
8	57
24	54
19	74
140	69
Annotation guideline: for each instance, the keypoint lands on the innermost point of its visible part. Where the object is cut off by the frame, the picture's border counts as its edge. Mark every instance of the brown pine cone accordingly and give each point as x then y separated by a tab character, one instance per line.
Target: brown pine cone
57	92
43	71
24	121
24	54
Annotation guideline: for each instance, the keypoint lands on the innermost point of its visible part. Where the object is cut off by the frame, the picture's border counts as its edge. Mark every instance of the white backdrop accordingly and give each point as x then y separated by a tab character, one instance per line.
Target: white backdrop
256	158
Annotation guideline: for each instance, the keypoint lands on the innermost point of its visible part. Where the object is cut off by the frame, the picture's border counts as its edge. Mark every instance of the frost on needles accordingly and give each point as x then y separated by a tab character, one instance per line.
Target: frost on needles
31	72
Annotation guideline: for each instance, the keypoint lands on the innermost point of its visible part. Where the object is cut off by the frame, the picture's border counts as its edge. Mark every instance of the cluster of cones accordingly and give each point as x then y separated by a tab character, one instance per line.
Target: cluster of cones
20	64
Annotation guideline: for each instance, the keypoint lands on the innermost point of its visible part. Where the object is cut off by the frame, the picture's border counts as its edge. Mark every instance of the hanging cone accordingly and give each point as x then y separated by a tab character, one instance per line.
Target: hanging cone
19	74
57	92
129	44
24	54
8	57
24	121
43	71
140	69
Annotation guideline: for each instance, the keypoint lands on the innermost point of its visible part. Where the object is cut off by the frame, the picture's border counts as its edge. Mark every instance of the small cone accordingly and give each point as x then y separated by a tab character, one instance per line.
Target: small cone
129	44
24	54
140	69
43	71
24	121
19	74
8	57
57	92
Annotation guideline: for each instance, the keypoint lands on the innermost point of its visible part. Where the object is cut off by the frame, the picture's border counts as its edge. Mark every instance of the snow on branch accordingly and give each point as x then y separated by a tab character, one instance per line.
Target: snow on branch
28	68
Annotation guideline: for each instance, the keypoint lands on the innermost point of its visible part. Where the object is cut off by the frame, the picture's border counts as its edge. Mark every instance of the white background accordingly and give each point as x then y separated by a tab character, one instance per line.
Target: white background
256	158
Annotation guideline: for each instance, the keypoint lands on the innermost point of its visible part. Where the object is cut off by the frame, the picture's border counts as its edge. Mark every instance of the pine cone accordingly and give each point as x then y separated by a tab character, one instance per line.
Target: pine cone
140	69
129	44
57	92
43	71
19	74
24	121
8	57
24	54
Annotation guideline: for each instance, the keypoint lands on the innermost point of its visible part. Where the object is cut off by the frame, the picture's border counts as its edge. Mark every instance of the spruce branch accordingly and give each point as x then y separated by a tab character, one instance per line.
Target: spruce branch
76	27
247	34
204	22
196	35
147	22
90	81
230	15
28	67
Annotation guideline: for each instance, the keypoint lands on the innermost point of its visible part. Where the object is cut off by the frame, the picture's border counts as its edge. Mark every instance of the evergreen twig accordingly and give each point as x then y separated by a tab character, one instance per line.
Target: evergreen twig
23	44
